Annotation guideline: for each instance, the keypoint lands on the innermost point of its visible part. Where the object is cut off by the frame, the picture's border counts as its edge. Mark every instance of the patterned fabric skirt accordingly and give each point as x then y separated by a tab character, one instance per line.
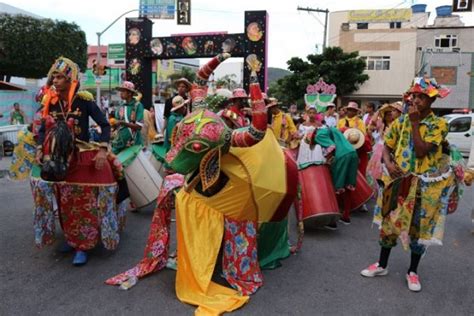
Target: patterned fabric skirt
86	204
157	247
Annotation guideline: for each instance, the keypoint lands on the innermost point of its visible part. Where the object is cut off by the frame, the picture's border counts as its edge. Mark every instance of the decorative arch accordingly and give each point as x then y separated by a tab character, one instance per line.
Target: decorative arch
142	48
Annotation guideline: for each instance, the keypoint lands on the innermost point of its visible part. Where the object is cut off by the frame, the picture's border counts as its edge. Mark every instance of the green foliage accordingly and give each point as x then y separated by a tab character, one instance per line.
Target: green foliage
214	102
29	46
185	72
227	82
345	70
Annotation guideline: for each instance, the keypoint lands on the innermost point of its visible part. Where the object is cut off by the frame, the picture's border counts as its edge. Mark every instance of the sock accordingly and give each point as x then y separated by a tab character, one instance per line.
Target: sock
384	254
415	260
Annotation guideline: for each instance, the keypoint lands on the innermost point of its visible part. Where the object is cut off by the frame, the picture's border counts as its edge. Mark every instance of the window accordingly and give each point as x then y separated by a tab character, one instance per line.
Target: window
446	41
395	25
460	125
362	26
377	62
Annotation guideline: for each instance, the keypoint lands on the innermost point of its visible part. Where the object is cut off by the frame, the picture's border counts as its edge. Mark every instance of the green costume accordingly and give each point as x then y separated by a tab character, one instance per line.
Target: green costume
173	120
130	112
17	117
344	167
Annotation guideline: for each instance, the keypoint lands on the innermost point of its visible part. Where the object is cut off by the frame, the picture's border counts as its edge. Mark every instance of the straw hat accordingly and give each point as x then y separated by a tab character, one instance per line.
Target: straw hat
355	137
128	86
239	93
397	106
178	102
272	102
352	105
183	80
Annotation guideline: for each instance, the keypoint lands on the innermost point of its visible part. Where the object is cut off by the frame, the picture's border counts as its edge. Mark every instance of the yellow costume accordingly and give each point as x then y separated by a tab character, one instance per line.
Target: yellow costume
283	127
355	122
200	236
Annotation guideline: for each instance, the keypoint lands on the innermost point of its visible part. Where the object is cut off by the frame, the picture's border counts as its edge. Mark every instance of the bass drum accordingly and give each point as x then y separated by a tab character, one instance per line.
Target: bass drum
318	197
157	157
143	180
362	194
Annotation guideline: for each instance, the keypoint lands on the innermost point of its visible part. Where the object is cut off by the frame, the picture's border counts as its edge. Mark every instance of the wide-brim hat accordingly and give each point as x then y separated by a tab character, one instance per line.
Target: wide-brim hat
183	80
397	106
352	105
178	102
272	102
384	109
127	86
355	137
239	93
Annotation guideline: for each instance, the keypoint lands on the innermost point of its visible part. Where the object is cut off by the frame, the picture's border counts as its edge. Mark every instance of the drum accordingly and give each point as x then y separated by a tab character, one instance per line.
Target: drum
157	157
362	194
143	180
318	197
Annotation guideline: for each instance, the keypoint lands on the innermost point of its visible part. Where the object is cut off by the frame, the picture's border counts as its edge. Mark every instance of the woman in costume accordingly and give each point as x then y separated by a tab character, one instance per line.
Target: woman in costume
378	126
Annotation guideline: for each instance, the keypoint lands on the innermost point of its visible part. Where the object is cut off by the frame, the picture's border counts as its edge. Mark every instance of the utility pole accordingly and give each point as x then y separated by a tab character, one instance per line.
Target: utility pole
307	9
99	55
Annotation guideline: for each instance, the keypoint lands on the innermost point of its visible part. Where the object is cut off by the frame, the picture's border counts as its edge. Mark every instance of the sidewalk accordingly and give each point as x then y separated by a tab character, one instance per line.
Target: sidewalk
4	165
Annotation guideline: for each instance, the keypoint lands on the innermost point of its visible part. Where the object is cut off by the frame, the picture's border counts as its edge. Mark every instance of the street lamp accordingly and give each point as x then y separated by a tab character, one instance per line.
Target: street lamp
99	55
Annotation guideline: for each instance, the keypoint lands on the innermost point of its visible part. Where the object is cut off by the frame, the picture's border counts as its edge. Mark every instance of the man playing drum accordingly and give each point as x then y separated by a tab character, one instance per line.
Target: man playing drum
129	119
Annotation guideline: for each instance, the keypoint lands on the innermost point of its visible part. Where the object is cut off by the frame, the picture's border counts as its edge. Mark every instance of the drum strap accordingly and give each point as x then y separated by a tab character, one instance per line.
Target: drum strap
135	106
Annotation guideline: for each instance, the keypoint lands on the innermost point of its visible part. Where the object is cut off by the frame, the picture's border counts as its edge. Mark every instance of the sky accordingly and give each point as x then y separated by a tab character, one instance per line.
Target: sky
291	32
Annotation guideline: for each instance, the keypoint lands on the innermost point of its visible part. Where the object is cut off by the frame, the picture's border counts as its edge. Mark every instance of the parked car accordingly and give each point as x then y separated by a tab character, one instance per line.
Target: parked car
461	131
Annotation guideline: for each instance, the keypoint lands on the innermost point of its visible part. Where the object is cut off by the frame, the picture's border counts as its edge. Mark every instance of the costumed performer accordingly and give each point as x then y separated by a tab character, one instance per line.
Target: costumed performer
423	183
219	164
318	199
82	171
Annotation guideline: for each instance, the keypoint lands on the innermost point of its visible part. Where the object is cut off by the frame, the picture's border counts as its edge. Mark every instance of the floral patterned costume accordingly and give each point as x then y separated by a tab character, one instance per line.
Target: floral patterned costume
414	207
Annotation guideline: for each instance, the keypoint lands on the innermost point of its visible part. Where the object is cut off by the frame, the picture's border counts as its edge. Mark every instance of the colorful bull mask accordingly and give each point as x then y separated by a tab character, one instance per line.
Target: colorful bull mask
198	143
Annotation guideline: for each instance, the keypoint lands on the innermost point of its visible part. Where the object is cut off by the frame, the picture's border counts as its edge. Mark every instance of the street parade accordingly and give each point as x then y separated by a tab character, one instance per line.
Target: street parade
180	173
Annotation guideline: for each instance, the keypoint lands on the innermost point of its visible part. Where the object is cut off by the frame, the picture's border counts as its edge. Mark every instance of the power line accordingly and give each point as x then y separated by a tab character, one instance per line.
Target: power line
326	11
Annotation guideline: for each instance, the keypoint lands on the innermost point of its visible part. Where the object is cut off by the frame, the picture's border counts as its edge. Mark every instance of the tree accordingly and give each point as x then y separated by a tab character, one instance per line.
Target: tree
185	72
345	70
227	82
29	46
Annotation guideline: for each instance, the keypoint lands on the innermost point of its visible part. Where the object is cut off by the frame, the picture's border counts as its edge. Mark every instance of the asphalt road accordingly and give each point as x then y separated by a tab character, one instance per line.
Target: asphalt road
322	279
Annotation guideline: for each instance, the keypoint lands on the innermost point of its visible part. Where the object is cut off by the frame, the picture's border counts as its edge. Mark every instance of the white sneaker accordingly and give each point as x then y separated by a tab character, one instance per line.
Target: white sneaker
413	282
374	270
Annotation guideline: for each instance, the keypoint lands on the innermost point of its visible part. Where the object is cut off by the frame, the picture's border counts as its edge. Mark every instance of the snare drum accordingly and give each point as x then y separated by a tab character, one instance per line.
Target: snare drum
143	180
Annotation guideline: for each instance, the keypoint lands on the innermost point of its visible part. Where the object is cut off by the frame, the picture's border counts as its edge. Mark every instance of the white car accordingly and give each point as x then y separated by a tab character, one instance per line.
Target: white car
461	131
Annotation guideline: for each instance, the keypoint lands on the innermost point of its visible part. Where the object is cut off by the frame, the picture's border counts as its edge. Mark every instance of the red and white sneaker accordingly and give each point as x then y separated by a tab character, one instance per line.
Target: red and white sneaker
413	282
374	270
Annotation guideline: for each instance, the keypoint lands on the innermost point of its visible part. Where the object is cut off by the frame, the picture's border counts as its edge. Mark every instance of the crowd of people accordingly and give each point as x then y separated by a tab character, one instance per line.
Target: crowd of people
232	175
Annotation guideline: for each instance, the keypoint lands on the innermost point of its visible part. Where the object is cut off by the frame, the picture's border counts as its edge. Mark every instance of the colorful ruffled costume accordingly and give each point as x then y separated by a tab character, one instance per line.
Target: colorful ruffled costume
230	188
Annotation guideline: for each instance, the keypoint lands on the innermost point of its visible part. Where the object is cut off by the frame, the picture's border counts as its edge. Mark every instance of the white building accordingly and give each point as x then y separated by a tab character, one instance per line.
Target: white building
386	39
